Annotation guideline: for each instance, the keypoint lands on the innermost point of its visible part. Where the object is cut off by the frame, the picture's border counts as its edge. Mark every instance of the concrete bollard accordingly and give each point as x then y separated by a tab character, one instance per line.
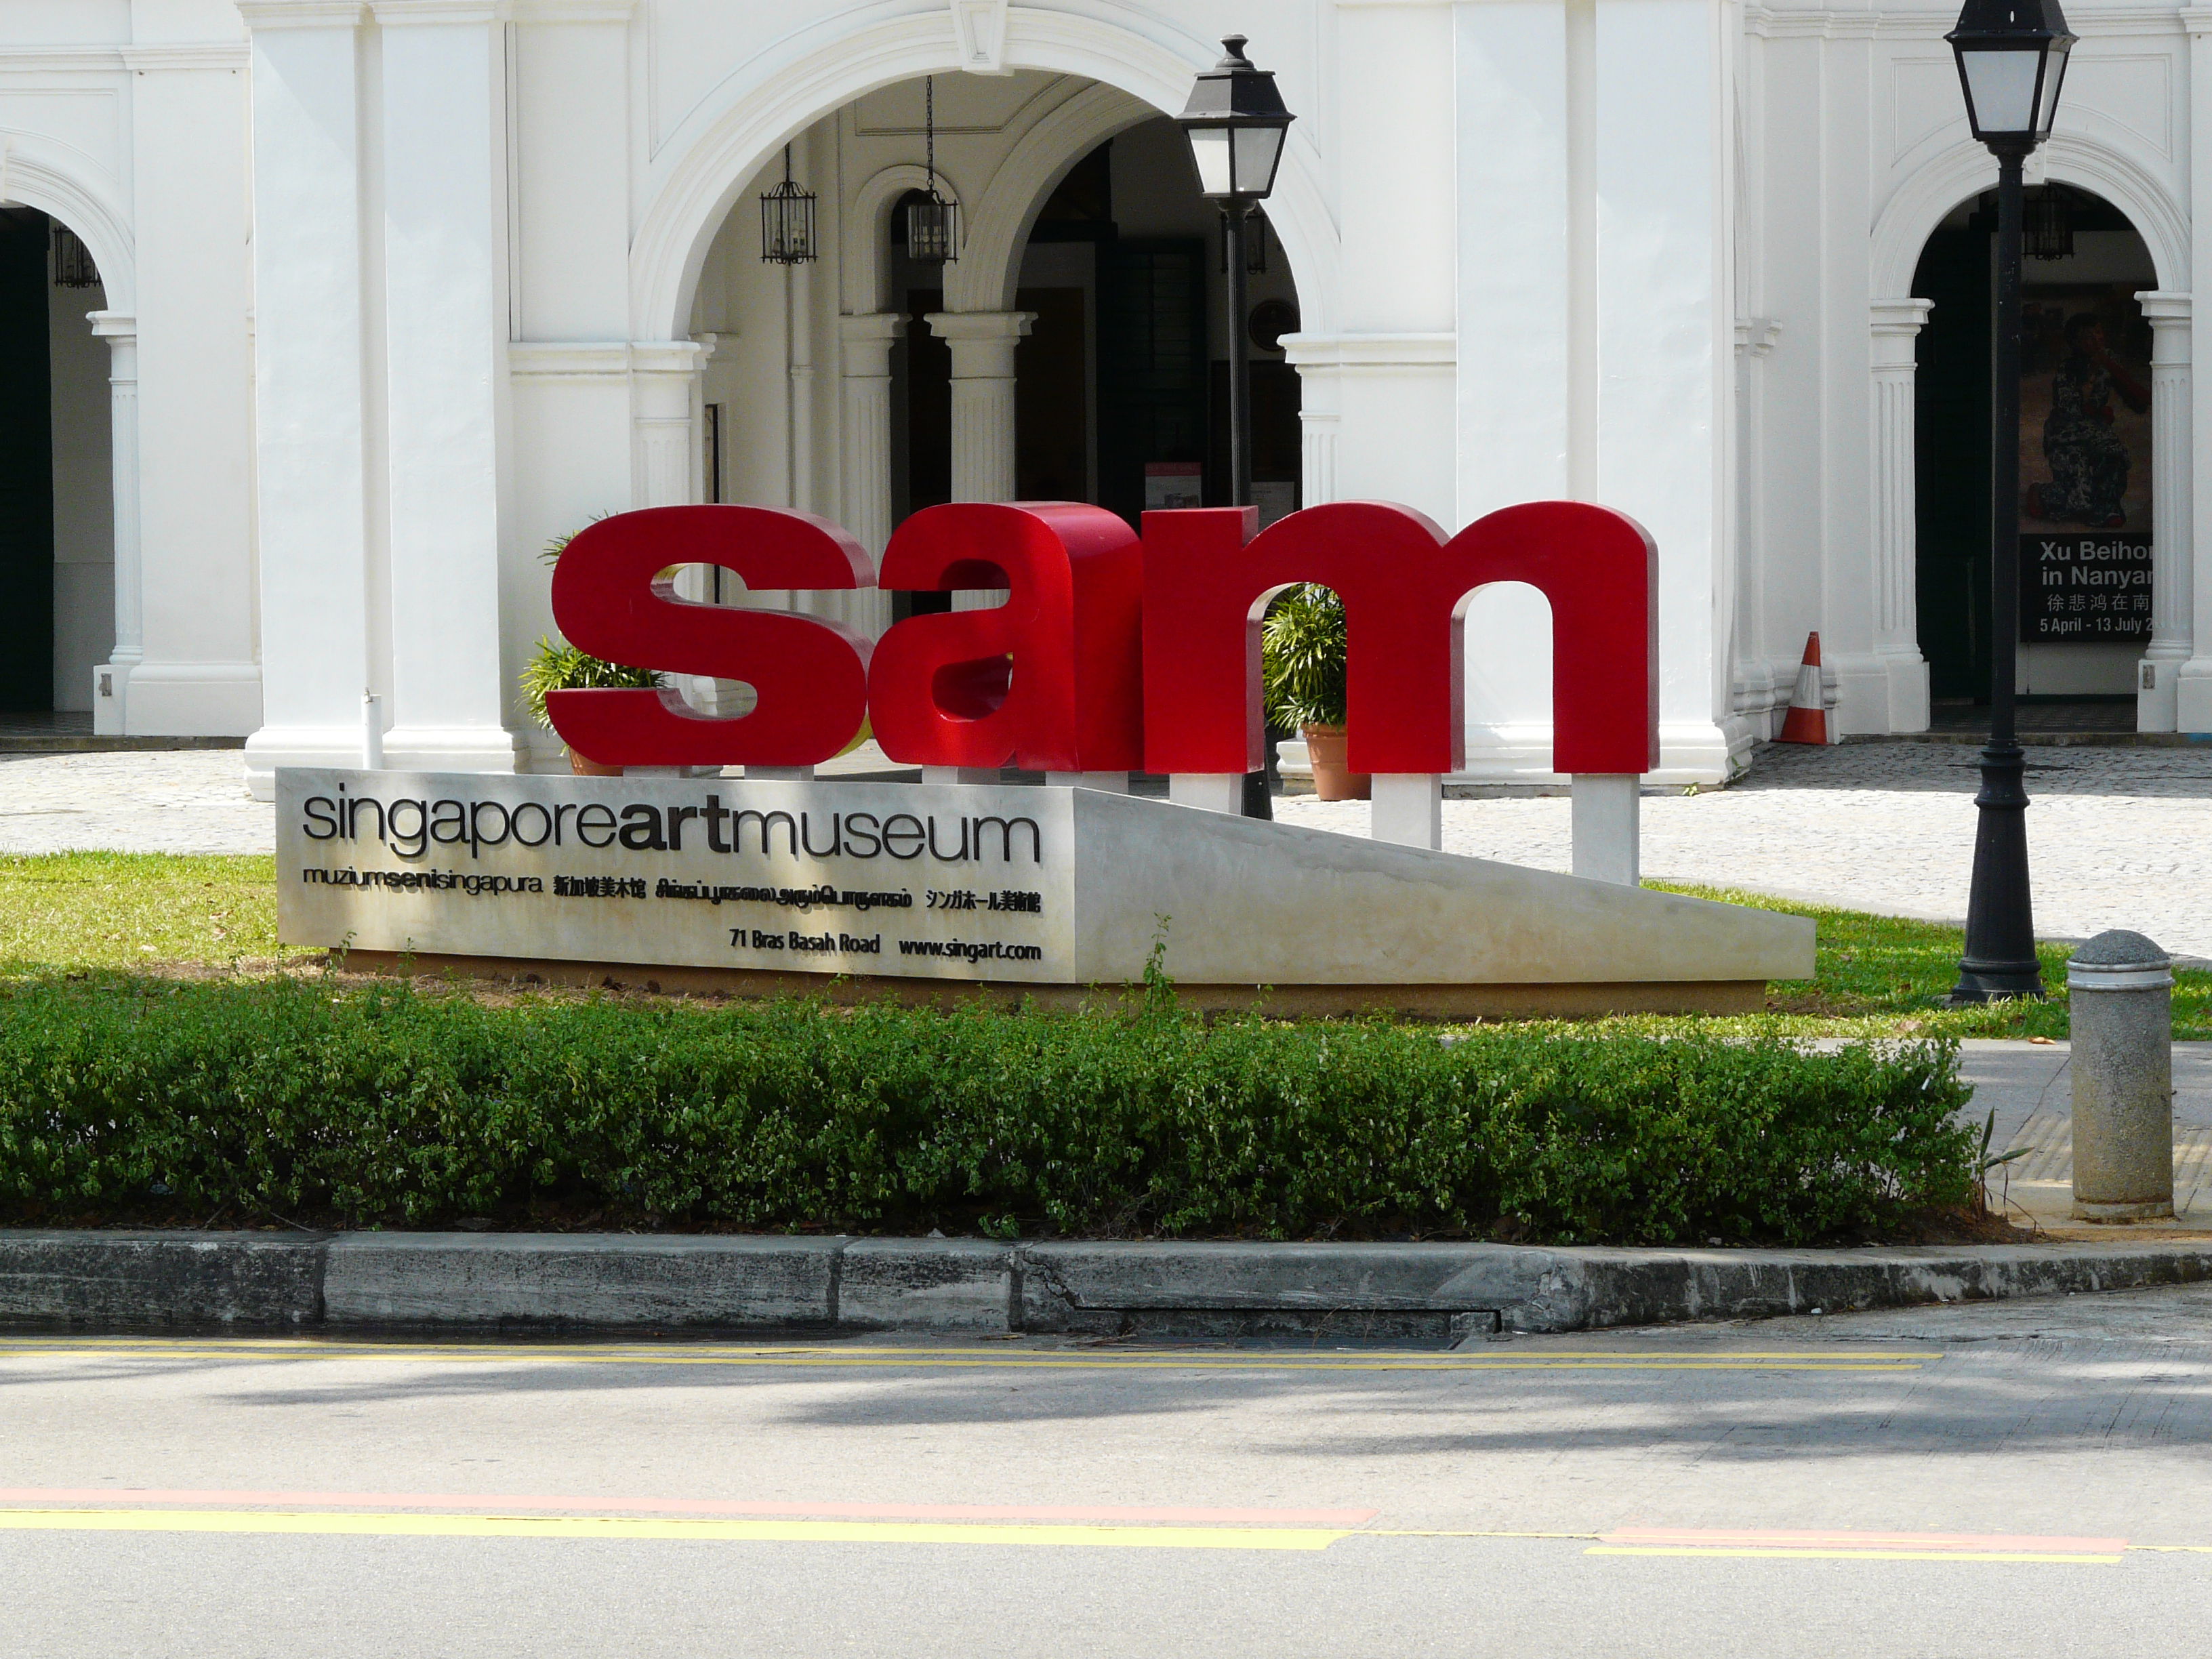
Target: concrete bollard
2121	986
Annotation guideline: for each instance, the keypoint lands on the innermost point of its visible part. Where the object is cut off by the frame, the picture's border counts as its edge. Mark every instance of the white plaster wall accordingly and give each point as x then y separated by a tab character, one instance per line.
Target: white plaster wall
1860	141
84	495
191	224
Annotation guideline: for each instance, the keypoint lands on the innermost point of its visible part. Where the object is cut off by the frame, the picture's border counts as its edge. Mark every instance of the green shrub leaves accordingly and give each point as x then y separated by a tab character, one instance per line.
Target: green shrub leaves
391	1106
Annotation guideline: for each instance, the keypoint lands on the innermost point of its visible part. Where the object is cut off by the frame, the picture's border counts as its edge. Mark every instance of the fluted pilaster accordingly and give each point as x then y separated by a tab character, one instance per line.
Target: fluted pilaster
1896	326
2173	555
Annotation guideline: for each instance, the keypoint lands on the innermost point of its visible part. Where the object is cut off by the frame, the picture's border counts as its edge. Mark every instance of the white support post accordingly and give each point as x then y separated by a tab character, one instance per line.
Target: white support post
1111	783
1216	791
2173	577
1408	808
1606	828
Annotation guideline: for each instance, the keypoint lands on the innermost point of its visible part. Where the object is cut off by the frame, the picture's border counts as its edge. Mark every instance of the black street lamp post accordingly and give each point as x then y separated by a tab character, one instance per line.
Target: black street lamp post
2012	60
1236	122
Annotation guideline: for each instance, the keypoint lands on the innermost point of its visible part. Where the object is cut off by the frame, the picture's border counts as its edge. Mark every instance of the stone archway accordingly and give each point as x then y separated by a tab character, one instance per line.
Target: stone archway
34	181
1896	319
720	147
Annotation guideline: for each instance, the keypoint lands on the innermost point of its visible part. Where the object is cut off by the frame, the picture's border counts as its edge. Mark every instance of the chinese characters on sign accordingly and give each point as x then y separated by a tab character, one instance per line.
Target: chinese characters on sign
2085	466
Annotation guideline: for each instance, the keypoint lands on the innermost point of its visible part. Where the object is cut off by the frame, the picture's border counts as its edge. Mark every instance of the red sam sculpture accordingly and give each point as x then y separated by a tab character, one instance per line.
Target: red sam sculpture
1105	656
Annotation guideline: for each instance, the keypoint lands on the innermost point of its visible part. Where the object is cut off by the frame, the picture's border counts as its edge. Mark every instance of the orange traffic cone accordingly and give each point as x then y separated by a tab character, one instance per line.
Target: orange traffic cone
1808	720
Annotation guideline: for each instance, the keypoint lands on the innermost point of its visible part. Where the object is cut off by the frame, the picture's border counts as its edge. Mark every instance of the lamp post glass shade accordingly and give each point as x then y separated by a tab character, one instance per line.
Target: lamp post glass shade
1235	121
2012	63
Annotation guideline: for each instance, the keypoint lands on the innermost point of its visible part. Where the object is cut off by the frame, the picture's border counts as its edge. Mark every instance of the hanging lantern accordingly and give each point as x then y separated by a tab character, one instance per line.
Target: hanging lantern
73	266
2047	228
787	221
932	223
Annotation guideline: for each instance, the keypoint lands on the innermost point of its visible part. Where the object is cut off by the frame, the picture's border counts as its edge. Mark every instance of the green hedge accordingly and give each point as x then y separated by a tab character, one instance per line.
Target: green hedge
309	1101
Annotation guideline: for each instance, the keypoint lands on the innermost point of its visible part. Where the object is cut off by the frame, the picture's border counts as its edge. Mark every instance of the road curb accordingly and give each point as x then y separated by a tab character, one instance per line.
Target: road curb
463	1283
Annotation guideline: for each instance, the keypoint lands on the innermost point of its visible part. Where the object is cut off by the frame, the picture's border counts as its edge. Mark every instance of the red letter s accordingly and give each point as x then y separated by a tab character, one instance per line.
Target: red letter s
609	598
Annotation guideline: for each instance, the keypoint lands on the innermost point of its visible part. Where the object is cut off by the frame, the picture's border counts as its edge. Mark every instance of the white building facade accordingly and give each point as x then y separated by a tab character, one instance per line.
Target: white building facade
393	292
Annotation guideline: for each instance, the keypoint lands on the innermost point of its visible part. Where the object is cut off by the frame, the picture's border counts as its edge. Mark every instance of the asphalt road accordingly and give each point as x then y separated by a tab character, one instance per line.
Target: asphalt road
2030	1476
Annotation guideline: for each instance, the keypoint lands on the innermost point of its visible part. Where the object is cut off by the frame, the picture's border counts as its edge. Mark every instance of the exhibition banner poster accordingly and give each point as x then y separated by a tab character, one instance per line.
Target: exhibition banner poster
2084	465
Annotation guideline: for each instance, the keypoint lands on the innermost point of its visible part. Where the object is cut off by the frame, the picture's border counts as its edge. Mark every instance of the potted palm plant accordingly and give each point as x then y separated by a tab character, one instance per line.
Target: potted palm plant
1301	654
557	666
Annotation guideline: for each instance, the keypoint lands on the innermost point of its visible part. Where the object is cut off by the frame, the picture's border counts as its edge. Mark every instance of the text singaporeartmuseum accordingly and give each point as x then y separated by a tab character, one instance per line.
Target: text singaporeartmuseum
1108	654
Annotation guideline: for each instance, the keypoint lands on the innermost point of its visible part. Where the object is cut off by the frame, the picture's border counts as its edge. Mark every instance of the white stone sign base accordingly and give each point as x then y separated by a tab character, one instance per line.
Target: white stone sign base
926	891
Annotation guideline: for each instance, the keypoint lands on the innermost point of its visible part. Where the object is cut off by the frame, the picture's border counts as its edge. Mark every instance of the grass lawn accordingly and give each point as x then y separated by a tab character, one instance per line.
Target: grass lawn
75	912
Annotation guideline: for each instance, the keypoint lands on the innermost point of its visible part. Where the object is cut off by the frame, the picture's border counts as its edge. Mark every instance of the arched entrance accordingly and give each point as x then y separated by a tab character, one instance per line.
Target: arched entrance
57	541
1076	349
2089	459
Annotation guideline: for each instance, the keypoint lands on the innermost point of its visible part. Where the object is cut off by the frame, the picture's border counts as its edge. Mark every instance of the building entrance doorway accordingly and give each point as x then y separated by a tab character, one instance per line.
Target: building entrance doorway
2085	454
1121	382
57	505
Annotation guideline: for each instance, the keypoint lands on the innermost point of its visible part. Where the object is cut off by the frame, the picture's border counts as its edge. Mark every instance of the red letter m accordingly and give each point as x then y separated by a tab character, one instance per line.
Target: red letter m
1405	590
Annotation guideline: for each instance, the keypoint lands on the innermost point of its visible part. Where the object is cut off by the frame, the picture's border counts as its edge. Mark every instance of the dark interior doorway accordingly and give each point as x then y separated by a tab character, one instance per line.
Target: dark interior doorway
26	475
2085	263
1951	461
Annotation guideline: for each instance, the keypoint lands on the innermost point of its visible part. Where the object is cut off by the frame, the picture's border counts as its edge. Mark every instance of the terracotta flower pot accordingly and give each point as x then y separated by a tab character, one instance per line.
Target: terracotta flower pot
590	768
1333	779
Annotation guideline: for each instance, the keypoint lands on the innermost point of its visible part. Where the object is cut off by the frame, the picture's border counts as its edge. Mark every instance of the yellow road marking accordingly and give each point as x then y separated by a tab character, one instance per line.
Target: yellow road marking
952	1358
1856	1555
618	1528
1047	1535
1433	1532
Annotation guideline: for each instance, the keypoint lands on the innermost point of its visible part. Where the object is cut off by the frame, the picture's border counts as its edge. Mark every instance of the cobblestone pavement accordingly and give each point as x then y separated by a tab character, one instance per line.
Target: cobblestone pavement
2119	837
2116	837
183	801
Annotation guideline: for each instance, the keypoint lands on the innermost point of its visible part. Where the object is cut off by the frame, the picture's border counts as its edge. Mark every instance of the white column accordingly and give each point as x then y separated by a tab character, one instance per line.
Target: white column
2193	697
445	330
1605	820
982	343
192	161
1660	127
665	382
1321	419
798	376
310	468
112	683
2158	677
864	445
1896	324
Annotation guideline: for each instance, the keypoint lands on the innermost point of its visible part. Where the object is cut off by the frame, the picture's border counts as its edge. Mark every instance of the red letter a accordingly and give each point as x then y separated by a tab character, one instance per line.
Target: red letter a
1049	680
